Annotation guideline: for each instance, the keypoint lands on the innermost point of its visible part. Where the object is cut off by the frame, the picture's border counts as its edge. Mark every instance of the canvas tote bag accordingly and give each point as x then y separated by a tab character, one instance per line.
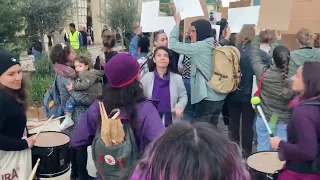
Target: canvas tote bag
15	165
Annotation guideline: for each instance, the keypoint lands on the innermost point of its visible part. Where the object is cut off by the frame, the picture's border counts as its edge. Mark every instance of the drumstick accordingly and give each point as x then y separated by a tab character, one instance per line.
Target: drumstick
55	119
34	170
44	126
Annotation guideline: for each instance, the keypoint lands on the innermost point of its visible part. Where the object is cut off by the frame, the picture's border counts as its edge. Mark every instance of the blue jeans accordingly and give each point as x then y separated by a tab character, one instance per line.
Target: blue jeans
188	111
70	104
263	134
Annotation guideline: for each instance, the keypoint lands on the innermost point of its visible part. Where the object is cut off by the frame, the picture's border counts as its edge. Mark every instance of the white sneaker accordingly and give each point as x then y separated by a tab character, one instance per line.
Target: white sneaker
66	124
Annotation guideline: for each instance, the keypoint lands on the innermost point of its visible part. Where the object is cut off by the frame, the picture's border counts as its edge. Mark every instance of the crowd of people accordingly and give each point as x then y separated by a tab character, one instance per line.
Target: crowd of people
161	91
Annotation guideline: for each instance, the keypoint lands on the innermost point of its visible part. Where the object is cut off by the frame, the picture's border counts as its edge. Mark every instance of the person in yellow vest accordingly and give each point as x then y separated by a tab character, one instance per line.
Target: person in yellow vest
75	38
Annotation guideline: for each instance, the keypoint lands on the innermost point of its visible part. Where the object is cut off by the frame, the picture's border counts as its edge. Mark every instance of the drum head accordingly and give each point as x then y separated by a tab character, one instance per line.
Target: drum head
265	162
51	139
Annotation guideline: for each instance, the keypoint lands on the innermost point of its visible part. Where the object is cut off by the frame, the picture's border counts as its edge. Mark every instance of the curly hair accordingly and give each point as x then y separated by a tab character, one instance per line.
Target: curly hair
126	97
281	57
59	53
245	36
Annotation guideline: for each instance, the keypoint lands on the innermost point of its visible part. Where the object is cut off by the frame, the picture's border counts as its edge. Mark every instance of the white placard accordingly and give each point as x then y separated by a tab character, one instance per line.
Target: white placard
166	23
217	16
217	28
237	17
179	5
191	8
149	14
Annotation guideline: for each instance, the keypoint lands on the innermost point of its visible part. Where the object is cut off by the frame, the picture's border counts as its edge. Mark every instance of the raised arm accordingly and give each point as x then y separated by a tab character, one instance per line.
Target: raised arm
188	49
256	59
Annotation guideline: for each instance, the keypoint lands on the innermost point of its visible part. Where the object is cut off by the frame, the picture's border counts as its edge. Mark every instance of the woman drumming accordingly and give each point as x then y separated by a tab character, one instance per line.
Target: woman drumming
302	151
13	120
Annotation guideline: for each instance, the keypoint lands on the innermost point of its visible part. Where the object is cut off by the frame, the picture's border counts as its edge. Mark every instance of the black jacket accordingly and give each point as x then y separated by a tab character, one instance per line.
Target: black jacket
13	122
97	65
244	91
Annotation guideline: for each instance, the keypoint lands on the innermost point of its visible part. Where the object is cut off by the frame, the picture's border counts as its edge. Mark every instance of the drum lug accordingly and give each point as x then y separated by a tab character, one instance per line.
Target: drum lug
51	151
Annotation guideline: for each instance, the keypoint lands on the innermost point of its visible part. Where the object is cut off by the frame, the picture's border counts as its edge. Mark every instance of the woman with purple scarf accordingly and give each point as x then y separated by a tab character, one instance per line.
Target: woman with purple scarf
162	83
302	151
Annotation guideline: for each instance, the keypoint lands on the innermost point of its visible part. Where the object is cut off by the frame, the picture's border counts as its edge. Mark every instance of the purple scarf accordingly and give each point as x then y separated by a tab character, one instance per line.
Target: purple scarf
161	92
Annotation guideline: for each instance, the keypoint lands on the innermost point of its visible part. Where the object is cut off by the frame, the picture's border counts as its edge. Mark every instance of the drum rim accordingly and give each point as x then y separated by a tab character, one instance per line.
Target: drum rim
54	174
258	152
54	146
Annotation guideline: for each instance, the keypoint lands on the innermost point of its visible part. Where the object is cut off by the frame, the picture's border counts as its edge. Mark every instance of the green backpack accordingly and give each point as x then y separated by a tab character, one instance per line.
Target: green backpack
116	162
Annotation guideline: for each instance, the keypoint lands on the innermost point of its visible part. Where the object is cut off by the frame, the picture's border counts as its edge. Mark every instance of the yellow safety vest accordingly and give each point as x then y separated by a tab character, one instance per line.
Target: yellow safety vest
74	39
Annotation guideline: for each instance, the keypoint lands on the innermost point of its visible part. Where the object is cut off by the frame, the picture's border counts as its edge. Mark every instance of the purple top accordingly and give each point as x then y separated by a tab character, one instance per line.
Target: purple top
303	133
161	92
148	126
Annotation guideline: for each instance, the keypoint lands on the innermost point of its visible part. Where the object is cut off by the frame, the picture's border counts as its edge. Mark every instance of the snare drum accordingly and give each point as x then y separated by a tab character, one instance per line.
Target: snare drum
264	165
53	150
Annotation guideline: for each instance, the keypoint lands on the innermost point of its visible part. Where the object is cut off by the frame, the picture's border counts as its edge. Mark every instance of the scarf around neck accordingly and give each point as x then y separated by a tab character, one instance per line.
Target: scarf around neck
161	92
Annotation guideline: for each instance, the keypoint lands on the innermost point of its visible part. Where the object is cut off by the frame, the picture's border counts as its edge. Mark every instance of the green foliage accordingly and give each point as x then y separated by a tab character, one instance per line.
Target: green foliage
166	9
11	19
44	66
43	16
16	45
121	14
38	86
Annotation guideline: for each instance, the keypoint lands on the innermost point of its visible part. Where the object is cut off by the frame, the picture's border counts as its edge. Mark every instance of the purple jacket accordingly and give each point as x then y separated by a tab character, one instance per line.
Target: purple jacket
148	126
303	133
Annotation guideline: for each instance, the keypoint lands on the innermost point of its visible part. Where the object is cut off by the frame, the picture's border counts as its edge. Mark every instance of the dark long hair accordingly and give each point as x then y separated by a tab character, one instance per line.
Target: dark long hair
152	64
20	95
311	79
281	58
192	152
126	97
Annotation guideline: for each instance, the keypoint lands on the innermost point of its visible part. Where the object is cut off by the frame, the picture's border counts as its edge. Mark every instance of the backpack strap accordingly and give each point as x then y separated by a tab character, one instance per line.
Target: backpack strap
56	89
257	93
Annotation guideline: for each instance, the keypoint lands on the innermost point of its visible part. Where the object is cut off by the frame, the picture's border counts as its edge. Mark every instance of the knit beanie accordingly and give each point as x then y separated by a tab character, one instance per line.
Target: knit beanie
122	70
7	60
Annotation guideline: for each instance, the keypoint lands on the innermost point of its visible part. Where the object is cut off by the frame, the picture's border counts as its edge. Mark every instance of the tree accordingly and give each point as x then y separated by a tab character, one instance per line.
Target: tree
12	22
46	16
121	15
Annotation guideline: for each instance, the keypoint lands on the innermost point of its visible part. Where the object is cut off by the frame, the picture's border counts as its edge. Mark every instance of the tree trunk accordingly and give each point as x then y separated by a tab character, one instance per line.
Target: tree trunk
42	42
56	38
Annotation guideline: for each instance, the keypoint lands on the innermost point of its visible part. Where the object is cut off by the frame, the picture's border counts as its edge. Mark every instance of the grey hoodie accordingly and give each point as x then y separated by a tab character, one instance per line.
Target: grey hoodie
89	82
298	57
